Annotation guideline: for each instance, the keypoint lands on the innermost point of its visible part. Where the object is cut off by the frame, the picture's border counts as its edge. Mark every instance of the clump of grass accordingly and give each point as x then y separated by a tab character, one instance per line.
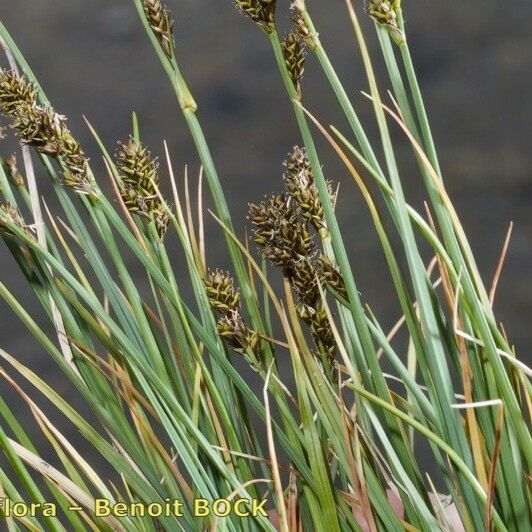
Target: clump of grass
347	402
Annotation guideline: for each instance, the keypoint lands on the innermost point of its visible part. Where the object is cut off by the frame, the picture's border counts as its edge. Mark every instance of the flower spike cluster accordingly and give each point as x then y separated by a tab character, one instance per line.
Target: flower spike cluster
331	276
43	129
282	229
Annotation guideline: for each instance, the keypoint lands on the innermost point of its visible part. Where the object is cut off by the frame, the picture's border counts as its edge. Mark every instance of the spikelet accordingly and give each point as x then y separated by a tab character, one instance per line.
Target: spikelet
299	183
279	232
221	291
15	91
43	129
300	26
384	13
294	57
224	298
76	162
47	132
331	275
137	167
322	333
320	328
139	181
158	16
262	12
232	328
303	278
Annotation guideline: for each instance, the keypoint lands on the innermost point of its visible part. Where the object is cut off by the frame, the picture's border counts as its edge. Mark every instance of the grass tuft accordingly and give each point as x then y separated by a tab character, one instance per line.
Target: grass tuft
323	433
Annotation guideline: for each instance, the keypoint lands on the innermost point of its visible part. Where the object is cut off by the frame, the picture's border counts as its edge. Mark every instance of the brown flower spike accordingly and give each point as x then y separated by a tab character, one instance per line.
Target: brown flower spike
139	180
262	12
318	322
221	291
279	232
384	13
294	57
299	183
299	24
224	298
232	327
15	91
331	275
303	278
158	16
43	129
281	224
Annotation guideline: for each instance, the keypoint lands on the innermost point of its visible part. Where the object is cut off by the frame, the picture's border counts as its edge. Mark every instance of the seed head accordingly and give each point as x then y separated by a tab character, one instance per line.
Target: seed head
43	129
39	127
299	183
279	232
320	328
224	298
47	132
139	183
232	327
76	162
262	12
221	291
384	13
322	333
303	279
294	56
15	91
13	172
158	16
137	167
331	275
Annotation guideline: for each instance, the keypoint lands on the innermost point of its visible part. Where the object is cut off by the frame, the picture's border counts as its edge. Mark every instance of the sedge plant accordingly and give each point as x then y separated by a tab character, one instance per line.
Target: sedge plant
188	442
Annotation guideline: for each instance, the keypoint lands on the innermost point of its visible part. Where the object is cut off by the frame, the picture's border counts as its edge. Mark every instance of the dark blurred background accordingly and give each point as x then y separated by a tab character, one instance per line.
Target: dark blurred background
474	61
